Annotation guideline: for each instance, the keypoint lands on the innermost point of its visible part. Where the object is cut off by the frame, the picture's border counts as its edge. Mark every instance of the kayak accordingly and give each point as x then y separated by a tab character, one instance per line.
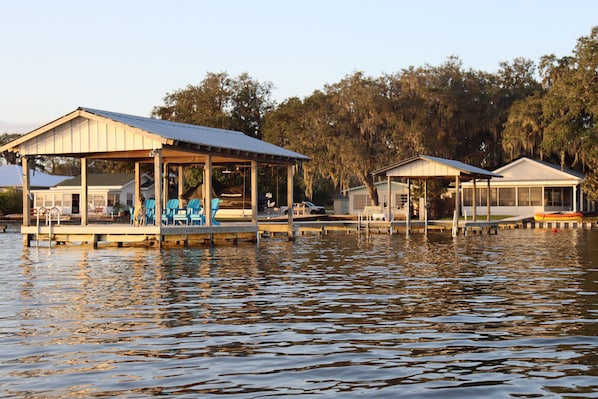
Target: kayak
558	216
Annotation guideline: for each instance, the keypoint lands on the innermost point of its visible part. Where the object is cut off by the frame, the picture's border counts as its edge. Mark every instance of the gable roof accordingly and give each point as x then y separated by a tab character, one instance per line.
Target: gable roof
98	133
12	176
525	169
426	167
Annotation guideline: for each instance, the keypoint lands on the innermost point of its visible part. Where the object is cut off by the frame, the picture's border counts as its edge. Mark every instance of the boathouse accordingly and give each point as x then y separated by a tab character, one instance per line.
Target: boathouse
423	168
89	134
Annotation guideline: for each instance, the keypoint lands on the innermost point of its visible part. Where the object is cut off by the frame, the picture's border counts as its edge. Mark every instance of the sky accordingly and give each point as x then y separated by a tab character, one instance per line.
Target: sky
127	55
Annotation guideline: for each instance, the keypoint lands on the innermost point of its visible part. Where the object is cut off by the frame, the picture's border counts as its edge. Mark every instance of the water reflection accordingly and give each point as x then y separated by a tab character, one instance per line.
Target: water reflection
512	315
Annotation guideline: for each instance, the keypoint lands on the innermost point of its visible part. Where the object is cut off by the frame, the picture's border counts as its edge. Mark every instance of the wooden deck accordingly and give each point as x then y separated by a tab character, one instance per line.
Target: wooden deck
120	234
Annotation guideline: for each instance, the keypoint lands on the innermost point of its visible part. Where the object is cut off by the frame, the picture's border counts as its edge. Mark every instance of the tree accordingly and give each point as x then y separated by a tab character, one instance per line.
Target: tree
11	158
222	102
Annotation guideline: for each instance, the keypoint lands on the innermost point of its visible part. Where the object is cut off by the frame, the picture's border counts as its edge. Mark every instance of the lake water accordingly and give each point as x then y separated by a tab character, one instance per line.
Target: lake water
513	315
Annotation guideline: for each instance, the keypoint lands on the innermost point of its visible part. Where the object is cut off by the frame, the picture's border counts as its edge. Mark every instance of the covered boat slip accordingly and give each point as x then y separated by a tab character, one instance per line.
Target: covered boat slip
89	134
424	167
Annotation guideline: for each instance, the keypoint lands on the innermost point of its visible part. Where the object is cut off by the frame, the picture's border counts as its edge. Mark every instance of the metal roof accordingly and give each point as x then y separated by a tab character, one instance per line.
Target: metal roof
113	135
12	176
200	135
100	179
451	168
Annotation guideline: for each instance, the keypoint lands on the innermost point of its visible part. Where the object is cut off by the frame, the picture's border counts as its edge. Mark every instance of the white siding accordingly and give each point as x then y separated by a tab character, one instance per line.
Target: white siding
85	135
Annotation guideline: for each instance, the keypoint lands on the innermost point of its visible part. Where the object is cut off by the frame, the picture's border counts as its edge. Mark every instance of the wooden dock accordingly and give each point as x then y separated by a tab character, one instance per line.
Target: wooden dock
121	234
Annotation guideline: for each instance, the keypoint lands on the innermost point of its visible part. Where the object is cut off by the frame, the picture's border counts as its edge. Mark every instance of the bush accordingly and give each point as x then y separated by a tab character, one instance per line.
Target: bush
11	201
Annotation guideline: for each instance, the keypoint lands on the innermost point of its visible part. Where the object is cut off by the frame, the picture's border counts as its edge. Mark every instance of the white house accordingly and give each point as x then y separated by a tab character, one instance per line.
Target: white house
106	193
359	197
528	186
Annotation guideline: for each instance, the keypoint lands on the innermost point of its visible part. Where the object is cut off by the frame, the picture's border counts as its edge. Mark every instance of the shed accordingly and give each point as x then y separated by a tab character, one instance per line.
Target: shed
359	198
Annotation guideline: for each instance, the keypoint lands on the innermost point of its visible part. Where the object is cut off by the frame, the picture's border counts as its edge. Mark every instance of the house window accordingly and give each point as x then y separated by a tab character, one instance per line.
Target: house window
113	198
523	196
97	200
129	199
506	196
529	196
535	195
557	196
467	196
39	200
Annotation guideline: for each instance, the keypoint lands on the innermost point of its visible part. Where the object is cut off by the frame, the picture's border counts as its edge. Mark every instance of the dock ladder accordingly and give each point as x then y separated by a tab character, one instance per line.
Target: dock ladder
48	213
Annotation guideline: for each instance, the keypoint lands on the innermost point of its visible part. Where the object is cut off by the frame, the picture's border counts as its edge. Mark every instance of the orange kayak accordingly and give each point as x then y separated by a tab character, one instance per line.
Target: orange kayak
558	216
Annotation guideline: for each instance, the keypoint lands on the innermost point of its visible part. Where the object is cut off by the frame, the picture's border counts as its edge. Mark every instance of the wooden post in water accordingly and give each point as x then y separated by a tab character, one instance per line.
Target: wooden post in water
158	192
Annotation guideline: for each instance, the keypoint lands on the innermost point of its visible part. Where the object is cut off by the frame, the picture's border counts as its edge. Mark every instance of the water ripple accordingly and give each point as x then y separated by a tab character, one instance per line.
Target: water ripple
512	315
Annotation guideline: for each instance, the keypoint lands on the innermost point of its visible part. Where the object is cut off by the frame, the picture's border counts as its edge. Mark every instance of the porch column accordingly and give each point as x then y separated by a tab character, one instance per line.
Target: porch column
180	183
207	190
457	213
165	179
26	189
574	199
158	186
581	204
290	172
84	202
389	201
137	184
488	202
474	200
408	211
426	207
254	199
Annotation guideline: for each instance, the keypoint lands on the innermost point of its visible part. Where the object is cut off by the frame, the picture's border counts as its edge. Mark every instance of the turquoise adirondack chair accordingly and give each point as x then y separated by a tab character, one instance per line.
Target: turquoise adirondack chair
150	211
172	207
189	215
215	206
195	213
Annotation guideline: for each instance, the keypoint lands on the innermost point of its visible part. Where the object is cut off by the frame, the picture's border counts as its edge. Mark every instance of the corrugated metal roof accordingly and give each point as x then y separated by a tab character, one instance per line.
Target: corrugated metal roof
199	135
12	176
